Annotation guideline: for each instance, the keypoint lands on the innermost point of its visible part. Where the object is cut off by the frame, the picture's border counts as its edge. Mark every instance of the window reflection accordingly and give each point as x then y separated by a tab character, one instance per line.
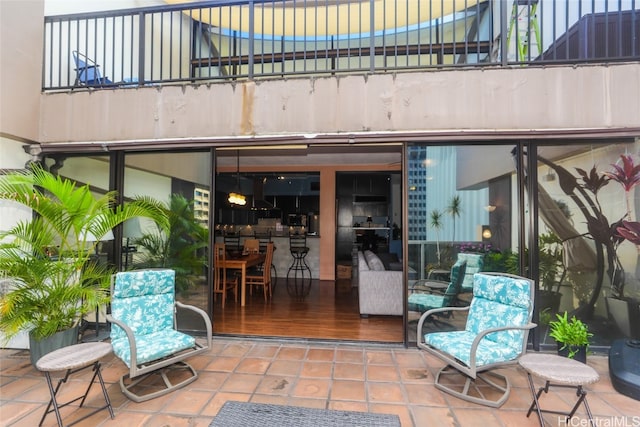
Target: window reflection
588	210
459	204
180	183
588	227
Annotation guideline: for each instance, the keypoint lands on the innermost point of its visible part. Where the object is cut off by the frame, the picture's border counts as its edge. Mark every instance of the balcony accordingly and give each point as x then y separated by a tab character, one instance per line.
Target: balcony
248	40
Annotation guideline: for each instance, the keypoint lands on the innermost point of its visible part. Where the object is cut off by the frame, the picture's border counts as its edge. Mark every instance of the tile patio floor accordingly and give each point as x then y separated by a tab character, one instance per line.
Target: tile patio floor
357	377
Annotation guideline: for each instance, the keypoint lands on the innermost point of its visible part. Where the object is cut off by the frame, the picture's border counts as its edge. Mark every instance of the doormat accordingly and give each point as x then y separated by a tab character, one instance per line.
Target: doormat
249	414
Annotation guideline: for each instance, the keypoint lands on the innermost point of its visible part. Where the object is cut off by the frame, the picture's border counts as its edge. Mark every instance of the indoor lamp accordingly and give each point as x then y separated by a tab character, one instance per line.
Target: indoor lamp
236	197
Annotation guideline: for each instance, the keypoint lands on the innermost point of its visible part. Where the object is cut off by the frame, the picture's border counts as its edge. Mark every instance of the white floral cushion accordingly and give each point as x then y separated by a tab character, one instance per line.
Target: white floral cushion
475	264
424	302
498	301
144	300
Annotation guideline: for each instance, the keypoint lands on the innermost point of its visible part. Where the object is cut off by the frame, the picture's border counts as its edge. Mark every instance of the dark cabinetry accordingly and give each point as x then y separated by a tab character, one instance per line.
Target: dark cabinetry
238	216
298	204
360	195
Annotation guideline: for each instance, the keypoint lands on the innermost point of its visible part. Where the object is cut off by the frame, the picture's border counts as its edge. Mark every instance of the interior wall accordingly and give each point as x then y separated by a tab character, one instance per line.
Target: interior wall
327	223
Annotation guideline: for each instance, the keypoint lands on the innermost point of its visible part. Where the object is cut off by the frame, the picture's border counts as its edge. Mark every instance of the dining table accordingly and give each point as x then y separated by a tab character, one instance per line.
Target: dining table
242	262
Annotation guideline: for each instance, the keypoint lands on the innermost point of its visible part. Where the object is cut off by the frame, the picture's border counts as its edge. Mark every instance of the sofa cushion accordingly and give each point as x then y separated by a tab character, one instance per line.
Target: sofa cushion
389	259
395	266
362	263
373	261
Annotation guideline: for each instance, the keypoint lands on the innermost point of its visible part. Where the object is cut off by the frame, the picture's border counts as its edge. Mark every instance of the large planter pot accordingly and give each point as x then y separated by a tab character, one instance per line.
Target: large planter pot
625	313
580	352
39	348
550	300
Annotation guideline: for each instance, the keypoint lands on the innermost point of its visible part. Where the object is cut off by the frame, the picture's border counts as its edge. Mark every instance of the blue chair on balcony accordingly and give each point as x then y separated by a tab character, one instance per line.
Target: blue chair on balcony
88	72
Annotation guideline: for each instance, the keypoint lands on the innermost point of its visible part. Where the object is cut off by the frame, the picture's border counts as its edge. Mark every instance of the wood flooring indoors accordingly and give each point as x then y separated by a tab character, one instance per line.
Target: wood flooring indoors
328	312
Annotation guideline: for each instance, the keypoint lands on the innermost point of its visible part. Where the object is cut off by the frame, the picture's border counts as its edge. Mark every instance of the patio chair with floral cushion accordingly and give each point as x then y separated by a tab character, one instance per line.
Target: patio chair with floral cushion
495	335
145	336
428	294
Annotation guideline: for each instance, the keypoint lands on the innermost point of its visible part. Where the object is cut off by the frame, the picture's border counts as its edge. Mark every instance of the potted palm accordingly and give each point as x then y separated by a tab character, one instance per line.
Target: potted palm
571	335
551	270
50	259
180	246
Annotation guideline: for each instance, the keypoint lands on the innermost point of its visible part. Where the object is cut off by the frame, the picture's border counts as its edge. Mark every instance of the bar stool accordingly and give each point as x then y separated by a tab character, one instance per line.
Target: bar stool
72	359
299	273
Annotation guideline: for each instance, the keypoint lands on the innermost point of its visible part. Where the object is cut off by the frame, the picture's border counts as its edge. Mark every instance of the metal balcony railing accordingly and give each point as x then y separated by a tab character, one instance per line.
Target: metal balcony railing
244	39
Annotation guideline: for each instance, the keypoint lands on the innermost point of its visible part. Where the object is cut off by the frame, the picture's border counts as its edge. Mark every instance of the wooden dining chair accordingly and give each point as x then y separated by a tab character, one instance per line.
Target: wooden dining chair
251	246
263	279
265	239
222	282
232	243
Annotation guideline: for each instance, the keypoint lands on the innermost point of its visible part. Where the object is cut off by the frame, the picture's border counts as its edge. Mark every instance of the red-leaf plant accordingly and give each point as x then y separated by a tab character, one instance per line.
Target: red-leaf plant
583	191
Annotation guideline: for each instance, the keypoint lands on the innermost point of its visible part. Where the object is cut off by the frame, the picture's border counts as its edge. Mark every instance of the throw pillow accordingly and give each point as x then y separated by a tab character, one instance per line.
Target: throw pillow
373	261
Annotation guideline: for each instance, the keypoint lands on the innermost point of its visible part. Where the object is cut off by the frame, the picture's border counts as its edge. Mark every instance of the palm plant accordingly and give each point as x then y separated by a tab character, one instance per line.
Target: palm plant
51	258
179	246
436	224
454	209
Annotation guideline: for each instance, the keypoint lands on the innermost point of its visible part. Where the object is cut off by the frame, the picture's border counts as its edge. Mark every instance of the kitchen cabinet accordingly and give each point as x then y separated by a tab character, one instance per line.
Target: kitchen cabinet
359	195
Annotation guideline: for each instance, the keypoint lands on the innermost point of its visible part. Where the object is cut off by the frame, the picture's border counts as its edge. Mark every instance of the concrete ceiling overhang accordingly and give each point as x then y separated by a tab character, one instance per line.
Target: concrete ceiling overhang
340	150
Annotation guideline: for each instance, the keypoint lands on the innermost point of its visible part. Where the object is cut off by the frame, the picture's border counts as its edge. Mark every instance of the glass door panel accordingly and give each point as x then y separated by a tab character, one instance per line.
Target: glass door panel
461	199
588	237
180	181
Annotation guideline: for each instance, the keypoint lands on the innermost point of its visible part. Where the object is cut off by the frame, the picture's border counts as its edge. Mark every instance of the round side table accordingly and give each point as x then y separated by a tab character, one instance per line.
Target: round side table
558	371
72	359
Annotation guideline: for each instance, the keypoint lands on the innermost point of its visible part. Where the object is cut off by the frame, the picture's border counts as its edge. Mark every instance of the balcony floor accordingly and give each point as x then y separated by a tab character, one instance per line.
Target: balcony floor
357	377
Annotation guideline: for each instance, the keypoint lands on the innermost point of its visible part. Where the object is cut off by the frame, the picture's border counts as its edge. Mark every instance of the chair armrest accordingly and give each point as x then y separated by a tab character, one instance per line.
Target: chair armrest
132	341
429	286
428	313
481	335
205	318
438	272
87	67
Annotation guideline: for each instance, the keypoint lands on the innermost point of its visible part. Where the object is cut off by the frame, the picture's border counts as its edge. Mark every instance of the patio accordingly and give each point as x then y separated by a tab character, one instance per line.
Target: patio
342	376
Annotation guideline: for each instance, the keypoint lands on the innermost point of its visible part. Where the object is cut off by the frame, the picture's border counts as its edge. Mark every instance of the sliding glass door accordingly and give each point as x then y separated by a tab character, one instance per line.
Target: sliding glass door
461	199
575	204
181	182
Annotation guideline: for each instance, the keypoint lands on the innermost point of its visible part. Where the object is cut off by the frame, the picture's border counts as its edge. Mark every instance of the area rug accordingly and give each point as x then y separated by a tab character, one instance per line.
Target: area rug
248	414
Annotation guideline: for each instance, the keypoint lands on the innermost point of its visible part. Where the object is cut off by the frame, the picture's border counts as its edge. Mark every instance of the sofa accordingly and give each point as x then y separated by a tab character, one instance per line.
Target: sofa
380	288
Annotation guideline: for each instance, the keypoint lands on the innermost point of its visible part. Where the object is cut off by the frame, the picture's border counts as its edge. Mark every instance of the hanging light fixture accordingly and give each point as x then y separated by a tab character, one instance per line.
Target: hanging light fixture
236	197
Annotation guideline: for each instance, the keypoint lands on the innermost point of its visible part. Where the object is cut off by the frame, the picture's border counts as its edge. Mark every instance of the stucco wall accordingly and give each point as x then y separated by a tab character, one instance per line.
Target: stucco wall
497	99
20	67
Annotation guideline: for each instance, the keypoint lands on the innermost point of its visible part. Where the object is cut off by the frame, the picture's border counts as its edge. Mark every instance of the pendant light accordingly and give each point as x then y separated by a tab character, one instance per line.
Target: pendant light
236	197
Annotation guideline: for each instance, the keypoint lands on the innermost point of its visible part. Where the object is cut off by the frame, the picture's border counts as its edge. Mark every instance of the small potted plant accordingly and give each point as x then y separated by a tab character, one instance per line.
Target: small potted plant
572	336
